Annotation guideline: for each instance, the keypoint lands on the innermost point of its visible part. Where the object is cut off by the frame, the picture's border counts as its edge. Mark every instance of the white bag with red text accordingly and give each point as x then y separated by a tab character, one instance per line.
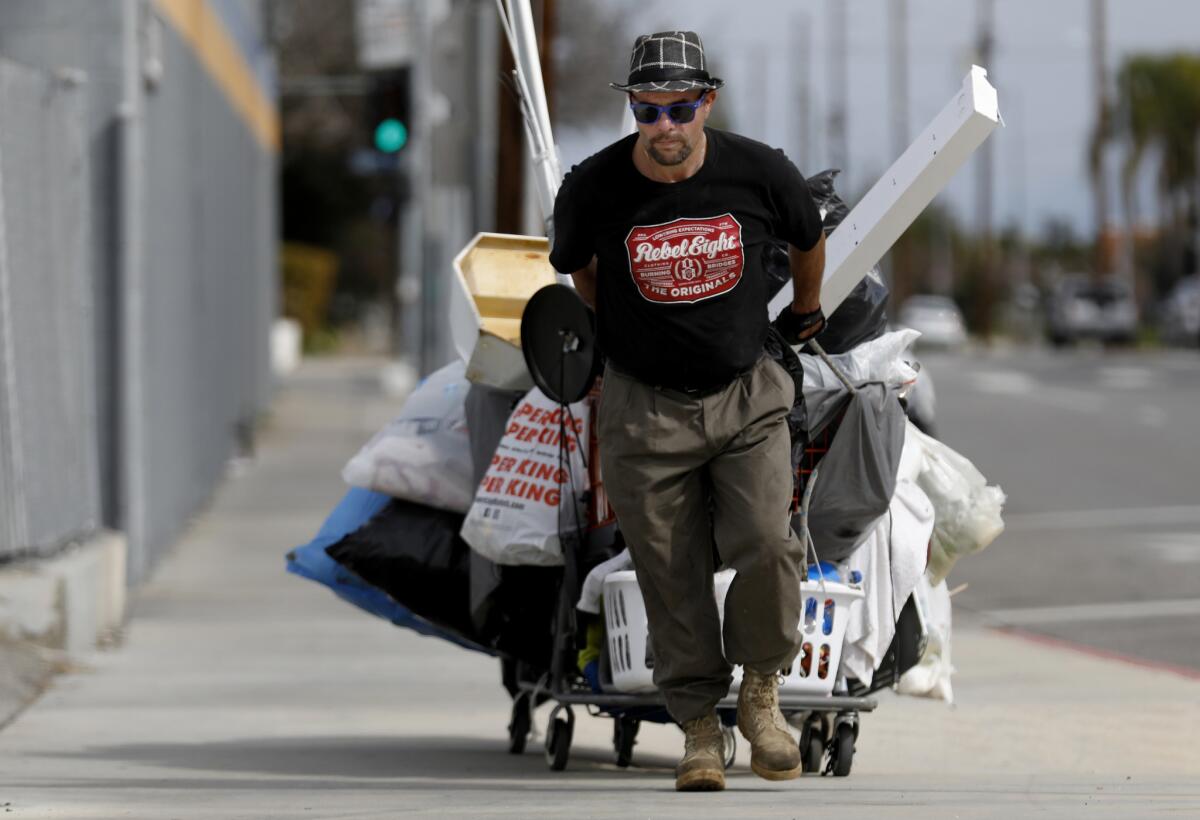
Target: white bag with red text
531	491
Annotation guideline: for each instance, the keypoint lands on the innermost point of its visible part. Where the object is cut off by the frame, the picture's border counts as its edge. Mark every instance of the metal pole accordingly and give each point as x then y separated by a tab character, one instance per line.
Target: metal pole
1100	88
803	90
985	174
897	267
839	67
416	161
898	74
131	206
518	22
527	55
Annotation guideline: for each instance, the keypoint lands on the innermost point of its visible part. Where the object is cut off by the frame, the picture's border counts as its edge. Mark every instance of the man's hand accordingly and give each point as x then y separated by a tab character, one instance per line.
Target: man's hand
797	328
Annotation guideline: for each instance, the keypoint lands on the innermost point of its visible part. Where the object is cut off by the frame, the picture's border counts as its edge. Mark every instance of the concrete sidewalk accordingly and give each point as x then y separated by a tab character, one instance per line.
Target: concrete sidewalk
243	692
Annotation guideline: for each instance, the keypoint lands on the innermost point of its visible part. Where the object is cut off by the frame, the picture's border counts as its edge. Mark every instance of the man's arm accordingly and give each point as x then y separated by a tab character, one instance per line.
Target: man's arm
802	319
808	268
585	283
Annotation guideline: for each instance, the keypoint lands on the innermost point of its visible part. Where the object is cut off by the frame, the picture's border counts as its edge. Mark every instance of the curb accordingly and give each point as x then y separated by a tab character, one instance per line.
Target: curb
69	602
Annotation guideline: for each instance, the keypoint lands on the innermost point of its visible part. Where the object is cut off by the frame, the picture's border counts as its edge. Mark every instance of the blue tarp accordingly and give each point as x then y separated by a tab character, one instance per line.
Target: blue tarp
310	561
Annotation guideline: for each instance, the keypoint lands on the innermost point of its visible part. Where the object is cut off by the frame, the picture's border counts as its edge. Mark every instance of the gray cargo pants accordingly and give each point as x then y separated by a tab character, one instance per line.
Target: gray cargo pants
663	456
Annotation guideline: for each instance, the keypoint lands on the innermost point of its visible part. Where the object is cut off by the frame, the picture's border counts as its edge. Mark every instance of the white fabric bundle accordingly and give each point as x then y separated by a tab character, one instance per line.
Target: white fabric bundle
424	454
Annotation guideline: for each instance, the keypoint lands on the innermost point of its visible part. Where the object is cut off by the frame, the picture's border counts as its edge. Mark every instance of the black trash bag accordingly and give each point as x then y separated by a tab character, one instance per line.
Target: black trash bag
775	266
862	315
414	554
857	477
486	410
520	621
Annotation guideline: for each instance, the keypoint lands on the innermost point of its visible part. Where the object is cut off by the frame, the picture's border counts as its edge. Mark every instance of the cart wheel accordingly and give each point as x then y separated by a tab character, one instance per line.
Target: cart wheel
812	749
519	724
558	738
842	757
730	745
625	731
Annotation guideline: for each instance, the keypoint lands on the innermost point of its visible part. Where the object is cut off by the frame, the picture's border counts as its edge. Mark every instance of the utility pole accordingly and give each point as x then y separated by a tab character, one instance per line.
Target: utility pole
510	160
1103	119
985	174
839	68
802	74
898	74
898	259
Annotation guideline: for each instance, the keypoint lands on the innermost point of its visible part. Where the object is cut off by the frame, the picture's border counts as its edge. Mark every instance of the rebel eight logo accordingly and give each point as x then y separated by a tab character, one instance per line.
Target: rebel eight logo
686	260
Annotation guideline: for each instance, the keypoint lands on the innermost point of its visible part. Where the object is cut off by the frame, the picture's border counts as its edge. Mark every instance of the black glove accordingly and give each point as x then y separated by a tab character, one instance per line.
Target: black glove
796	328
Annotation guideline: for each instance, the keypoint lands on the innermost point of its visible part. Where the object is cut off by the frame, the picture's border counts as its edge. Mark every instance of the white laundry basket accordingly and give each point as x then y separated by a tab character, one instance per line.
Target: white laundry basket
826	609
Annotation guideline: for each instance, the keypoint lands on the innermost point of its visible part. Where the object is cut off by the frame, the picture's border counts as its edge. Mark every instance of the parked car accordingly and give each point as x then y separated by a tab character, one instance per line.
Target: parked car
1081	307
937	318
1179	321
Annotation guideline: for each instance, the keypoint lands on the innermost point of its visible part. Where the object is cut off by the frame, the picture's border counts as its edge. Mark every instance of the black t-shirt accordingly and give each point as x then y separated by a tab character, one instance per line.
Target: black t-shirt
681	294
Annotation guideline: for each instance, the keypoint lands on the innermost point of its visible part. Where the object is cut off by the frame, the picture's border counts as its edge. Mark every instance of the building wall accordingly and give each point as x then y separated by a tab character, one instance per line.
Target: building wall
182	234
49	483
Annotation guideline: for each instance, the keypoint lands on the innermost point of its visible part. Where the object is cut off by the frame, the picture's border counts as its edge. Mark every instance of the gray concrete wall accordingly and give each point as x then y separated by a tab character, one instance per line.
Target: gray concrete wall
207	222
86	35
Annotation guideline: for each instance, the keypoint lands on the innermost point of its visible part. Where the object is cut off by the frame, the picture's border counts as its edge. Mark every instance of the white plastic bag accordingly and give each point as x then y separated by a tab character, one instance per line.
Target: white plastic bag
931	676
967	509
424	454
879	360
526	497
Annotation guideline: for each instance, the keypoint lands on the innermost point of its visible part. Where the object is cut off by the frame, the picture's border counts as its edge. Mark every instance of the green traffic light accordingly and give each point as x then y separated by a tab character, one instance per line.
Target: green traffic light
390	136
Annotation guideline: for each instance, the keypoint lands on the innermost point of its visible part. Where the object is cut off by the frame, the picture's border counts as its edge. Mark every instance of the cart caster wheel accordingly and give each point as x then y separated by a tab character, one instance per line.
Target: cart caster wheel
558	738
625	731
727	734
842	756
812	749
519	724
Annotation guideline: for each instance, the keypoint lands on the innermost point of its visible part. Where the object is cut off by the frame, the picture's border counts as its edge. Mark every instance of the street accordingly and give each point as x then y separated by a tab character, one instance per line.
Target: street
1099	453
239	691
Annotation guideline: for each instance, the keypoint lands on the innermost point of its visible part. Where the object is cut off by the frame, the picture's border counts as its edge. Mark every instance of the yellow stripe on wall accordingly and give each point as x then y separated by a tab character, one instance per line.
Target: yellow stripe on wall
205	33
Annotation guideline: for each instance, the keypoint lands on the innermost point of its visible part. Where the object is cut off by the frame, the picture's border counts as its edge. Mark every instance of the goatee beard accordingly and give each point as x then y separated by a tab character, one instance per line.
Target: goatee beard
684	152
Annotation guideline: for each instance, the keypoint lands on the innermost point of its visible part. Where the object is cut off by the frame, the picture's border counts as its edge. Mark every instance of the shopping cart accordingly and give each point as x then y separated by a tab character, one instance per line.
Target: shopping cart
813	697
558	345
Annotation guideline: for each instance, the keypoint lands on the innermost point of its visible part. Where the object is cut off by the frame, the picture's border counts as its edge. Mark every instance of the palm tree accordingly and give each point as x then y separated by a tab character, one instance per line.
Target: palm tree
1159	114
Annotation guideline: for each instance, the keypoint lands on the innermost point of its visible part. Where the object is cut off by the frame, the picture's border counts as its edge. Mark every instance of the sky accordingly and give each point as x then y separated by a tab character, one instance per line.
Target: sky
1041	68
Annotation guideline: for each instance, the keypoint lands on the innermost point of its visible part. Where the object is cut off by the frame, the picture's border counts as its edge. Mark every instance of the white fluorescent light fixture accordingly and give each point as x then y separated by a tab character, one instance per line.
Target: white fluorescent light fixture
898	198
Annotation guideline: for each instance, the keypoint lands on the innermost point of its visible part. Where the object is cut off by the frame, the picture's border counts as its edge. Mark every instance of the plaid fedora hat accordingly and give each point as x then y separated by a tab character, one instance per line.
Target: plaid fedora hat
668	61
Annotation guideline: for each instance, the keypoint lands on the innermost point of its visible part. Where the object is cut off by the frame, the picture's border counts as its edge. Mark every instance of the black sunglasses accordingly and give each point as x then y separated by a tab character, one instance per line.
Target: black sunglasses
680	113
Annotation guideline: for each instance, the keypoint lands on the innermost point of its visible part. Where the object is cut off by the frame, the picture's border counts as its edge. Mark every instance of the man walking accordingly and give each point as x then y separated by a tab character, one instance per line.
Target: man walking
664	233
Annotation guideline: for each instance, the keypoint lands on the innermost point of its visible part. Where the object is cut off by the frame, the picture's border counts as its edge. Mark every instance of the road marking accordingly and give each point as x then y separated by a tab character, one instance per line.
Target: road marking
1003	382
1175	547
1152	416
1116	611
1108	517
1126	378
1016	383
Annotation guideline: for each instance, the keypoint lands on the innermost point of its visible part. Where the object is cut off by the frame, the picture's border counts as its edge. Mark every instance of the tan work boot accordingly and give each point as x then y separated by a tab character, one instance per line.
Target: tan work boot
774	753
702	768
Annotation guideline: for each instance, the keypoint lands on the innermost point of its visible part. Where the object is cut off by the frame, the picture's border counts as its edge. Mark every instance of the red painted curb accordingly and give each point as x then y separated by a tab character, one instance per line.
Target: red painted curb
1096	652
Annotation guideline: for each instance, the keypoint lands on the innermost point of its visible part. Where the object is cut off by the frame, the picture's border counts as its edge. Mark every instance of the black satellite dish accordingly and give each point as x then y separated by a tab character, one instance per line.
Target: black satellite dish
558	338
